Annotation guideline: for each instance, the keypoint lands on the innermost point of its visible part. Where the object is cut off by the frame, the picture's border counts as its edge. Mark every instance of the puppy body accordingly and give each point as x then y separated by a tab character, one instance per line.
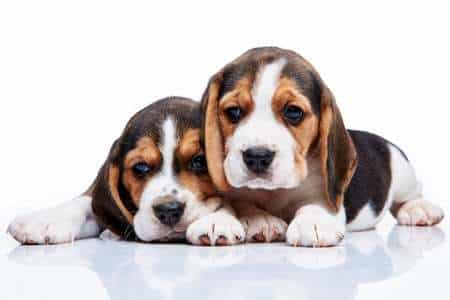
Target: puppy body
278	148
154	186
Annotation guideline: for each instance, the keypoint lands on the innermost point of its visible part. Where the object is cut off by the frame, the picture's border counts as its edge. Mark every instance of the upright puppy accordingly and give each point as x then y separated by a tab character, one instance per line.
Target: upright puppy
277	148
154	186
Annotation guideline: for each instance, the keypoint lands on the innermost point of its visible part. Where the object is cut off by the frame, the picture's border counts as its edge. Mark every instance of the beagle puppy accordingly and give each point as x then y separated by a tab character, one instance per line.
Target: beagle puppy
154	186
278	150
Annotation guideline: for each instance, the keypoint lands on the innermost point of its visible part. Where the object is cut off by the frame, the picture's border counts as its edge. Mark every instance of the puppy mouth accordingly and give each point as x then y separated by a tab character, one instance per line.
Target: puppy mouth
264	182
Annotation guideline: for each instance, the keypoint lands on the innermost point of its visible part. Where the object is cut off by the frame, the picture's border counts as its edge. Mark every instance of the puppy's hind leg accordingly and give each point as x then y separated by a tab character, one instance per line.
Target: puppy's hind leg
65	223
409	206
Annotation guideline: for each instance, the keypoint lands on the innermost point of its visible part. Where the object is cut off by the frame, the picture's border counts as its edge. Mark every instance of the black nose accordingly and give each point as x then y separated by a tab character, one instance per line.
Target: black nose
258	159
169	213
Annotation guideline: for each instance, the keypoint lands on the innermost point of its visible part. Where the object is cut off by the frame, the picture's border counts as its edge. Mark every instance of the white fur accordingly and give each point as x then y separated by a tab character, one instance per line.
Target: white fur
407	194
366	219
261	129
221	224
65	223
315	226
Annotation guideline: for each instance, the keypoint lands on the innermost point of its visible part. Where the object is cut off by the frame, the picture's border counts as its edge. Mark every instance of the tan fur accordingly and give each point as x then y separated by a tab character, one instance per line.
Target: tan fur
239	97
213	138
344	156
306	132
145	151
113	184
189	144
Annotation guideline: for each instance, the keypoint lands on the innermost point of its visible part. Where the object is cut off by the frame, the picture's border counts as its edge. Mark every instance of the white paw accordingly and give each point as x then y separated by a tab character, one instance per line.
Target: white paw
419	213
315	227
263	227
62	224
216	229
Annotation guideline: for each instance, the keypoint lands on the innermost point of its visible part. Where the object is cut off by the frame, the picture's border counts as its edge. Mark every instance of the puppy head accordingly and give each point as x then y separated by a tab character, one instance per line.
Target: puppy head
266	115
155	180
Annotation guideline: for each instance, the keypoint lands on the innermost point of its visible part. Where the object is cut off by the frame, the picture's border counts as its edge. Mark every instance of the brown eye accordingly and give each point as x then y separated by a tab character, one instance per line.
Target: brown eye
234	114
198	164
293	114
141	169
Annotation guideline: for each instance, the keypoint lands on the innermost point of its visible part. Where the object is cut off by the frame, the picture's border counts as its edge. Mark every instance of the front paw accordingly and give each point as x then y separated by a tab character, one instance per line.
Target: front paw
262	227
315	227
47	227
216	229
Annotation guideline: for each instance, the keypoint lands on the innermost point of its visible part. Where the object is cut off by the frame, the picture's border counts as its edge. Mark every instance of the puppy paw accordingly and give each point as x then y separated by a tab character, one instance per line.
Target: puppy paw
262	227
314	227
216	229
52	226
108	235
419	213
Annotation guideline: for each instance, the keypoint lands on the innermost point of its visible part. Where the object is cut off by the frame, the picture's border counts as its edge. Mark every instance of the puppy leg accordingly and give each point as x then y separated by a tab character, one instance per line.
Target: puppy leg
314	226
409	207
259	225
67	222
220	228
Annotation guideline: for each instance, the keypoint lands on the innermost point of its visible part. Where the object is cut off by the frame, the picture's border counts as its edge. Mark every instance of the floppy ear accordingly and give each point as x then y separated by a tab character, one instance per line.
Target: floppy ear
107	202
337	151
212	133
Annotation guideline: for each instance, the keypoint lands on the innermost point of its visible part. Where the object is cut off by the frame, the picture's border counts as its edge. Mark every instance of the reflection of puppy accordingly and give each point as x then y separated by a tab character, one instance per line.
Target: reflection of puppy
130	270
153	185
277	146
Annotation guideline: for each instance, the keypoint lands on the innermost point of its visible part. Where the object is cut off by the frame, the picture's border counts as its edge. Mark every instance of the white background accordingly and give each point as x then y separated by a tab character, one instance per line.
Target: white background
72	74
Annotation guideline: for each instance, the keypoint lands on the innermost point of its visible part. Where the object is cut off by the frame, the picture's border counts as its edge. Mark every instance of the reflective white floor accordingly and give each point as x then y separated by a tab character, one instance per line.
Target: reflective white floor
390	263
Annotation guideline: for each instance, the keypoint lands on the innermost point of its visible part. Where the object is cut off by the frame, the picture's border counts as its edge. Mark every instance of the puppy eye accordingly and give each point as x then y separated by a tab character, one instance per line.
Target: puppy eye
141	169
293	114
234	114
198	164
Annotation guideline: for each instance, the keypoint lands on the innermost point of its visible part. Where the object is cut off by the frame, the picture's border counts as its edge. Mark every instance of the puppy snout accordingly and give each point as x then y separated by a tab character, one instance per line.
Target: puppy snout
258	159
169	213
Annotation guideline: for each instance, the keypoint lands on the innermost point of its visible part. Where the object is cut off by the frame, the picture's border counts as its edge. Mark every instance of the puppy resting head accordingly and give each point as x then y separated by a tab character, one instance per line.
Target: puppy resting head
155	180
267	117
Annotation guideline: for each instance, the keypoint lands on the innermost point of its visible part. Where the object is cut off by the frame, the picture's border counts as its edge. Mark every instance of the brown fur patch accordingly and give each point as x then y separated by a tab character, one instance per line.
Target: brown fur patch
145	151
239	97
189	144
337	151
214	145
113	181
304	133
200	185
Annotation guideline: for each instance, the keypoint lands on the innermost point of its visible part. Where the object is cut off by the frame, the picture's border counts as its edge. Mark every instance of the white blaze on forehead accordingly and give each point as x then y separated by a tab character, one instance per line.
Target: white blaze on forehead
164	182
169	143
262	129
266	85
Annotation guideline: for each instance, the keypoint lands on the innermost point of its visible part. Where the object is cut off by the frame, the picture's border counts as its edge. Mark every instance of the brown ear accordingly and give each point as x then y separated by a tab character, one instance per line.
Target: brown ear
212	134
337	151
107	203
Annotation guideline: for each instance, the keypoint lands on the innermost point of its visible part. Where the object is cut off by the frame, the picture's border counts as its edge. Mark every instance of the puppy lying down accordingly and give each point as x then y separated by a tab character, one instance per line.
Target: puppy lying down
154	186
279	151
